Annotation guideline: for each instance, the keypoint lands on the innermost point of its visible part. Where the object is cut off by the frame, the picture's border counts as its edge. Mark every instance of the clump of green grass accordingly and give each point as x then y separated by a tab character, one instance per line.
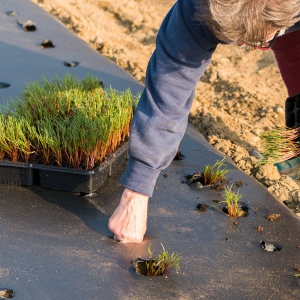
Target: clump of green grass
231	199
280	145
66	122
213	174
162	264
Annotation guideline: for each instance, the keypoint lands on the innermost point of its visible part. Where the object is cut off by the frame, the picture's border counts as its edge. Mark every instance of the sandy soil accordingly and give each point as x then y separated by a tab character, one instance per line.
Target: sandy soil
238	97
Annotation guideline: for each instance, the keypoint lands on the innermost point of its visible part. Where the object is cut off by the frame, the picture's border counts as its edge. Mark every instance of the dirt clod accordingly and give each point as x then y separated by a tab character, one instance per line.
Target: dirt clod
259	228
178	156
239	184
202	207
272	217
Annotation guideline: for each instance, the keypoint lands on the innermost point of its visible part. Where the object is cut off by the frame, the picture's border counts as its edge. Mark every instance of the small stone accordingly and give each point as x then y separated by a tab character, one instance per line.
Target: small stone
255	154
278	110
256	131
213	76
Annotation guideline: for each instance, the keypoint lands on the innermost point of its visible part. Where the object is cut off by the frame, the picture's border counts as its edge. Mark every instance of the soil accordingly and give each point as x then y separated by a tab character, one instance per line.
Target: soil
259	228
272	217
202	207
238	98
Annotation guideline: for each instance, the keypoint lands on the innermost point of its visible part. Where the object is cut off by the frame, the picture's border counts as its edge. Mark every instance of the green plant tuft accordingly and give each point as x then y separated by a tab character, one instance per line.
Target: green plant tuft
280	145
66	122
215	173
232	202
162	264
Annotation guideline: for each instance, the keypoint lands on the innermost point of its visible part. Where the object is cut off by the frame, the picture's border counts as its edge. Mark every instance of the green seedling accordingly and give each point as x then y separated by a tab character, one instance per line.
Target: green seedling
280	145
215	173
297	269
162	263
66	122
232	202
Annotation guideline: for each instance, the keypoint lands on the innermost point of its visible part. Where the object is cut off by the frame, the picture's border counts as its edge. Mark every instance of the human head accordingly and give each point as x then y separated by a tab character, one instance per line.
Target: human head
247	20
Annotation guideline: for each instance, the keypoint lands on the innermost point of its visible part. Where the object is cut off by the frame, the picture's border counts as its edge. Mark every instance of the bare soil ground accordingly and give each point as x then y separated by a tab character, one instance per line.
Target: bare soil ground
238	97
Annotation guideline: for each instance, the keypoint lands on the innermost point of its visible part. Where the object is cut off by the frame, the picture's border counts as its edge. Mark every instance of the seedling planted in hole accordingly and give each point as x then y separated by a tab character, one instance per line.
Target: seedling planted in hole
162	263
280	145
297	269
234	208
215	173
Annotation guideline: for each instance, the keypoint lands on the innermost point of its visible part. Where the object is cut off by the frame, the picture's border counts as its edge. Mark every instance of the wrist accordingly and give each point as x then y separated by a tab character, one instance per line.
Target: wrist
133	194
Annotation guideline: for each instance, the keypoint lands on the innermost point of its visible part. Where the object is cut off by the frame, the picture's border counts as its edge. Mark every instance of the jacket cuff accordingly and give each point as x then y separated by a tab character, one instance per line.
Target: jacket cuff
139	177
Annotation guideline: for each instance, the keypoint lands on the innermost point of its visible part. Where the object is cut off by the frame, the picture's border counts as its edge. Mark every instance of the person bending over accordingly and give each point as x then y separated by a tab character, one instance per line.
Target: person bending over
185	43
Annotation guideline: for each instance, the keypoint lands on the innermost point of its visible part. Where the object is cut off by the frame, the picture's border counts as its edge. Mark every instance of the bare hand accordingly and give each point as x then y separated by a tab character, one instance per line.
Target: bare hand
129	220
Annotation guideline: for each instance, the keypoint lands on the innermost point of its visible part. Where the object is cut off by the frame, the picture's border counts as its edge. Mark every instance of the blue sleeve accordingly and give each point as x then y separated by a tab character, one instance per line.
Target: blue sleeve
183	51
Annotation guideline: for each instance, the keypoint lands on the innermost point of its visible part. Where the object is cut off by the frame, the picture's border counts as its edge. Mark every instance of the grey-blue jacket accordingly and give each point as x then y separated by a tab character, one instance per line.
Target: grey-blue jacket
184	48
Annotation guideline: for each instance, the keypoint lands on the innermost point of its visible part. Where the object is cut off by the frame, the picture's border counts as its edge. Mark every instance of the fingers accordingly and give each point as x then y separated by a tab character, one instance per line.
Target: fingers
127	241
117	239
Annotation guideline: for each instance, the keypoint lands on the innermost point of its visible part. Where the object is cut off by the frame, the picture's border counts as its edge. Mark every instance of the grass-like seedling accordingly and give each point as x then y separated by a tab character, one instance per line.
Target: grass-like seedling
66	122
297	269
231	199
280	145
162	264
213	174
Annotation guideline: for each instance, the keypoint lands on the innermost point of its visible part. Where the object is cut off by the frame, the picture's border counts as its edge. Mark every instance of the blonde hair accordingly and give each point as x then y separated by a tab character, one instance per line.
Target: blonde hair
247	20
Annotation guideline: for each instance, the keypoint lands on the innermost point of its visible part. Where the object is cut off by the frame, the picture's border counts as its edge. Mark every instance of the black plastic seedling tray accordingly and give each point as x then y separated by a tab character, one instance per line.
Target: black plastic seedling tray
17	173
81	181
292	111
62	178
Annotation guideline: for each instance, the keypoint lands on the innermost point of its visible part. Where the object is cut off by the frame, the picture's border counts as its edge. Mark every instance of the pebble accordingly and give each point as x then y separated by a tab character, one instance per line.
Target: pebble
255	154
278	110
256	131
